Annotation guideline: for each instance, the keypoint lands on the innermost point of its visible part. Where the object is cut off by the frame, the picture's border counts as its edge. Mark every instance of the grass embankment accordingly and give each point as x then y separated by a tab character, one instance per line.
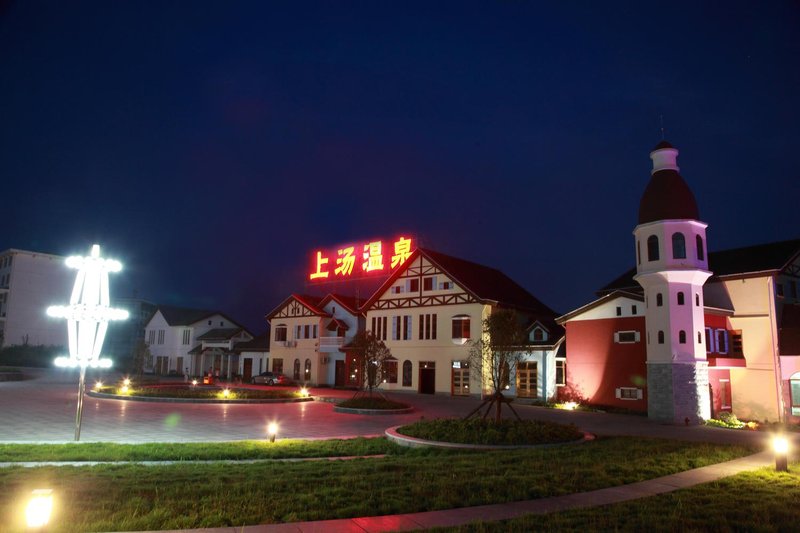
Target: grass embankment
762	500
479	431
203	393
136	497
197	451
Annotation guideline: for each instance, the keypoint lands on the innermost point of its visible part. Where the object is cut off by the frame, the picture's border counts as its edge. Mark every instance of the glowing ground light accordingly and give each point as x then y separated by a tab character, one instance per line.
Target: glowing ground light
89	310
194	382
780	446
272	431
126	382
39	508
226	393
304	392
98	385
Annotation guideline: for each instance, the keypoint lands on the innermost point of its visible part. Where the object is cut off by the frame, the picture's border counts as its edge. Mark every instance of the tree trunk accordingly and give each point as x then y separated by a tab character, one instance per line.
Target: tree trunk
498	407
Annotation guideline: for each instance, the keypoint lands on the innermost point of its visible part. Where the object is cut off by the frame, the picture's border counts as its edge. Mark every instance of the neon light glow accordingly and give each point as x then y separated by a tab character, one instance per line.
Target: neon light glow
89	310
374	258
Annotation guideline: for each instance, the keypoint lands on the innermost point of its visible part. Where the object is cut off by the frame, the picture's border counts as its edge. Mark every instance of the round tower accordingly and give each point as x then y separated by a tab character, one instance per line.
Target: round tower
671	267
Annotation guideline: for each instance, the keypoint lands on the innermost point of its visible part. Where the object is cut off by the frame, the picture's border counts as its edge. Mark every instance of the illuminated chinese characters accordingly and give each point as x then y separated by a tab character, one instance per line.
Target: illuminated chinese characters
361	259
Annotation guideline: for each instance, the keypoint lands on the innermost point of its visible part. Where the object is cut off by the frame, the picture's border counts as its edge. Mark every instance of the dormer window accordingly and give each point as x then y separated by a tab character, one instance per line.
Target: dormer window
538	335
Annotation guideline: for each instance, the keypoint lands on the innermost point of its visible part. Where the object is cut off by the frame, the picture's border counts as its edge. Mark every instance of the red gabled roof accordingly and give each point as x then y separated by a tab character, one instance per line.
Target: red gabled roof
311	302
348	302
486	284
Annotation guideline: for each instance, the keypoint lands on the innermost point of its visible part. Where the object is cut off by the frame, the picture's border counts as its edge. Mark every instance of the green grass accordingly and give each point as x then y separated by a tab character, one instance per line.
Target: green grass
375	402
761	500
136	497
479	431
249	449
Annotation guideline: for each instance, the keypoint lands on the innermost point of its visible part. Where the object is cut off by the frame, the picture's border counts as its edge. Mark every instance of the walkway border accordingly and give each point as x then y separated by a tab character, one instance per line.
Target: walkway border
414	442
505	511
105	396
375	412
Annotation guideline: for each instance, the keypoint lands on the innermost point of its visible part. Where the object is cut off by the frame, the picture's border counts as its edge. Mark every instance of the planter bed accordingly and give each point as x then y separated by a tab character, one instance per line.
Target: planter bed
198	394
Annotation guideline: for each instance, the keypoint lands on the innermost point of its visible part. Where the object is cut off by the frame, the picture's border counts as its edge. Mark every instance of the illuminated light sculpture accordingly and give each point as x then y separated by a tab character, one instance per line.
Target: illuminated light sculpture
87	314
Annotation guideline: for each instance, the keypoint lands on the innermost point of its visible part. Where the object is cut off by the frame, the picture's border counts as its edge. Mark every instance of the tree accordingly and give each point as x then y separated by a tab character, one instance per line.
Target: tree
503	344
371	354
142	358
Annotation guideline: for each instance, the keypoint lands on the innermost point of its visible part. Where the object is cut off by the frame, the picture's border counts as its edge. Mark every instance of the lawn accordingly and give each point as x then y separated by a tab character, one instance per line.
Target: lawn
762	500
136	497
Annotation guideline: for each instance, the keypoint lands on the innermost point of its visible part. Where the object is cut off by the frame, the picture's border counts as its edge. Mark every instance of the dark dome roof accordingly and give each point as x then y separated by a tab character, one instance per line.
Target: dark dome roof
663	144
667	197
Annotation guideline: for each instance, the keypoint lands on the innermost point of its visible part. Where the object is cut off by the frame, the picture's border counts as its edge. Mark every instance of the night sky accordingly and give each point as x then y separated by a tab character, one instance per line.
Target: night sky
211	146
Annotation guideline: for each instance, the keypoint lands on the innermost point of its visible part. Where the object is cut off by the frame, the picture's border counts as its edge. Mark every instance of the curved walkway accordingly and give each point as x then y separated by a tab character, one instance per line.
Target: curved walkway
505	511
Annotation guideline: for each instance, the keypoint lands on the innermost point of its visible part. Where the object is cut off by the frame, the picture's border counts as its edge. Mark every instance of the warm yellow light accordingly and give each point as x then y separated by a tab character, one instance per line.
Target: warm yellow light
272	428
98	385
780	445
37	512
126	382
571	406
304	392
124	389
226	392
194	382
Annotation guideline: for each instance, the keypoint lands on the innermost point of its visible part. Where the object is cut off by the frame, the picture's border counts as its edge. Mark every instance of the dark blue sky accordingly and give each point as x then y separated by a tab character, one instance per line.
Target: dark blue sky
211	146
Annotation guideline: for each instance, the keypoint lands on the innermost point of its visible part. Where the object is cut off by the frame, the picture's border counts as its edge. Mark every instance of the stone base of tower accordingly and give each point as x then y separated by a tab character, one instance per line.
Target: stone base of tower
677	391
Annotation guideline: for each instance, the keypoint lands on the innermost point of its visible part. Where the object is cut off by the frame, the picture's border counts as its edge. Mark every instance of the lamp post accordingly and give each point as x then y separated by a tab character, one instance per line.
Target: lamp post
87	315
780	446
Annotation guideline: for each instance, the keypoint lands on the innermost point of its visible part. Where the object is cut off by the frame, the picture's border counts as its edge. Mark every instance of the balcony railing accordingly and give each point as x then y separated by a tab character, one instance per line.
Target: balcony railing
330	344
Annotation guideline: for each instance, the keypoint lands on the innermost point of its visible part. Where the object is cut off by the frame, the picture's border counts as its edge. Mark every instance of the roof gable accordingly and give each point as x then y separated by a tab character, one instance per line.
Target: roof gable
185	316
607	299
349	303
298	306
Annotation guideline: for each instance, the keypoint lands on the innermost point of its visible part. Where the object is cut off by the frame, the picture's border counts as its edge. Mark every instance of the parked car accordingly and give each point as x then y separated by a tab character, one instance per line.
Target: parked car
270	378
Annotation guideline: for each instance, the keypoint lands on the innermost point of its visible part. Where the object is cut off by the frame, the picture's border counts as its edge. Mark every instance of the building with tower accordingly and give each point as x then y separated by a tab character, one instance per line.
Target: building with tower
687	334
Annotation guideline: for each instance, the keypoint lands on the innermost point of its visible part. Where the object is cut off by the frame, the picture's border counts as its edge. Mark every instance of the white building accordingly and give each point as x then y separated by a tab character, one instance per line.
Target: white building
193	341
29	283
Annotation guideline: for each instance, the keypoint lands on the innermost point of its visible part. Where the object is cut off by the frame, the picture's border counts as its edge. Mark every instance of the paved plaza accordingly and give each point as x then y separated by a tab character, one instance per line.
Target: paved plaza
42	409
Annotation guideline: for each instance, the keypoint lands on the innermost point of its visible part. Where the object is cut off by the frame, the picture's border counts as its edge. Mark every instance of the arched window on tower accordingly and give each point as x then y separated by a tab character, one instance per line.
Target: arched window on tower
681	300
701	253
697	300
682	337
652	248
678	246
660	337
639	252
659	300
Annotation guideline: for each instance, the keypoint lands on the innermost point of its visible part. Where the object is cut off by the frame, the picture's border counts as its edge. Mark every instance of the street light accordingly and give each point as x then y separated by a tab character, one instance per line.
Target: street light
39	508
780	446
87	314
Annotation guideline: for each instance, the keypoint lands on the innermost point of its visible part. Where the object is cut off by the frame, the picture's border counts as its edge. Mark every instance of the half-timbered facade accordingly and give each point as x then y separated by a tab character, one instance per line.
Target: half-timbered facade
429	310
307	334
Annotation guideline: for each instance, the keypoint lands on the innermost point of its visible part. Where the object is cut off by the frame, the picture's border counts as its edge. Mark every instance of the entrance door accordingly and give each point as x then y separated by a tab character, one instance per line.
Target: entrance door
427	377
247	369
526	379
460	378
179	367
339	374
162	365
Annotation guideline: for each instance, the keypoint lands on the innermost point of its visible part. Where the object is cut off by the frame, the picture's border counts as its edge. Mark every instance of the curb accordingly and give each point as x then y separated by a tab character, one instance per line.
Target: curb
105	396
376	412
413	442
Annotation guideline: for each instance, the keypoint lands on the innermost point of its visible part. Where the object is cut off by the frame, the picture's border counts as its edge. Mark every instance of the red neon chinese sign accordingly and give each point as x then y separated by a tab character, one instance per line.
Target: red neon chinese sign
351	261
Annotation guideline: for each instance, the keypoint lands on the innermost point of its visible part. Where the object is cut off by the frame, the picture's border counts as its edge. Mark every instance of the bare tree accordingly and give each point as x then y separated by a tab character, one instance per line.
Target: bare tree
503	344
142	358
371	354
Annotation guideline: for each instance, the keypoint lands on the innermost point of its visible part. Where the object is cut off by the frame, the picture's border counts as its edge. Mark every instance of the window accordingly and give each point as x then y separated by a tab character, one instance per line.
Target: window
628	393
427	327
678	246
395	328
296	374
379	327
538	334
660	337
779	289
209	322
406	327
682	337
314	332
280	333
277	365
652	248
151	337
709	340
221	324
445	285
638	252
461	332
307	371
699	338
306	331
793	289
700	251
619	311
626	337
186	336
736	343
297	331
795	394
397	289
697	300
428	283
390	371
659	300
406	373
721	338
725	393
681	300
161	336
633	309
413	285
561	372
